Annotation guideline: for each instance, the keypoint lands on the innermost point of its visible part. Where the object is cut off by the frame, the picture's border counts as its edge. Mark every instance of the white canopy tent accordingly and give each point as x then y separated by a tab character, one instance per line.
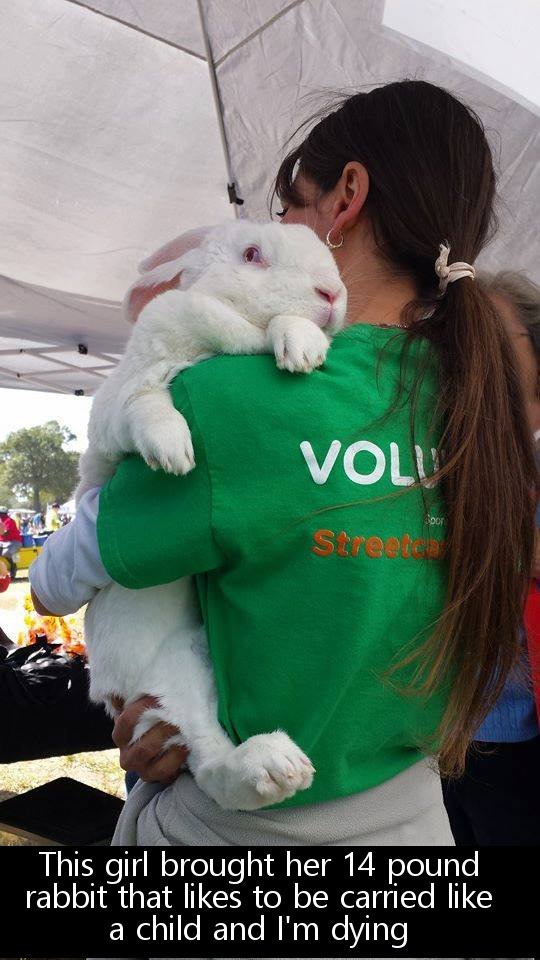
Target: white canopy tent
126	122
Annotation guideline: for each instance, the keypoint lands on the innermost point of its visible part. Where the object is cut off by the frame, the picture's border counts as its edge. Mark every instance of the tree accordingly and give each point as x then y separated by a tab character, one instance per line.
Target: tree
33	461
7	496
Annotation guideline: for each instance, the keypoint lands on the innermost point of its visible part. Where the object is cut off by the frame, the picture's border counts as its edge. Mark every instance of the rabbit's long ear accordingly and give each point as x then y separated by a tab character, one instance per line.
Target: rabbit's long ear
161	271
165	277
175	249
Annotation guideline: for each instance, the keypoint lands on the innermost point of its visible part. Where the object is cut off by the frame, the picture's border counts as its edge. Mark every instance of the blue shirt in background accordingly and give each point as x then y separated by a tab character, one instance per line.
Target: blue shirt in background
513	718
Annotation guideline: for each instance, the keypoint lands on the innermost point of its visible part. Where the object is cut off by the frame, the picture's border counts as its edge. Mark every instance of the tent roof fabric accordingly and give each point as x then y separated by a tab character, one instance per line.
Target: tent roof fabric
124	121
56	341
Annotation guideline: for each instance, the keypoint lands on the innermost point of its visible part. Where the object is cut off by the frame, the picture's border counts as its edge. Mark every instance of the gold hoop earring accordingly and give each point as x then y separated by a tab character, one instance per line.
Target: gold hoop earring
334	246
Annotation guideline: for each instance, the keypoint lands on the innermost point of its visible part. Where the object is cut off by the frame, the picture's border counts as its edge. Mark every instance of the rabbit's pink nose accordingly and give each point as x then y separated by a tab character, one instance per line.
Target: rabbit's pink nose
328	295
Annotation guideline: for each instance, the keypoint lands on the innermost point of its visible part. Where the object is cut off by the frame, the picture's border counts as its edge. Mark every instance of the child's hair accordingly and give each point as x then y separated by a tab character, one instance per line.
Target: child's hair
431	179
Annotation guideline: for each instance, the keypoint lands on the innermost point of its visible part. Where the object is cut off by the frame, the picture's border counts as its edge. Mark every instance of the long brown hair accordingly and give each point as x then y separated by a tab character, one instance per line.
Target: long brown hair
432	179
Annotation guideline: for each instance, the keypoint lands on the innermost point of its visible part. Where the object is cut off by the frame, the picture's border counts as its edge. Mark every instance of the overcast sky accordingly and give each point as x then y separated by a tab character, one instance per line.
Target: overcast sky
27	408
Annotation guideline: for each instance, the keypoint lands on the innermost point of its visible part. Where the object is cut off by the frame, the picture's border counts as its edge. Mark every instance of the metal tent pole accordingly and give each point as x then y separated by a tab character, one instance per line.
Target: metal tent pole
231	185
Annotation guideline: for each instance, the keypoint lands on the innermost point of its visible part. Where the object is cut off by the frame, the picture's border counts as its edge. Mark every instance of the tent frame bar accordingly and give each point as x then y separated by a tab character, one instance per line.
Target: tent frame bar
231	184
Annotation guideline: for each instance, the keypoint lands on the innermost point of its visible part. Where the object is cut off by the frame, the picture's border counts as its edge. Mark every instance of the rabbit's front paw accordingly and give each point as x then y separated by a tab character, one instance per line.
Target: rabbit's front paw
299	346
166	444
266	769
148	720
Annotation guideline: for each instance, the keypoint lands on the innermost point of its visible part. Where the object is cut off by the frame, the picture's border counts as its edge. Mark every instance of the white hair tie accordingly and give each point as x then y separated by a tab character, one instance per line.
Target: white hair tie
446	272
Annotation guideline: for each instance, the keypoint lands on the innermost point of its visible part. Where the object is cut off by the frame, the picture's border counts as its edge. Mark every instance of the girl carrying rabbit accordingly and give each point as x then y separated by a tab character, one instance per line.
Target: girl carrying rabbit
344	600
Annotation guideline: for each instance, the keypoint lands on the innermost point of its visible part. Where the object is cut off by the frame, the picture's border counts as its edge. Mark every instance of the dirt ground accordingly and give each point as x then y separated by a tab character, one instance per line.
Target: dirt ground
98	769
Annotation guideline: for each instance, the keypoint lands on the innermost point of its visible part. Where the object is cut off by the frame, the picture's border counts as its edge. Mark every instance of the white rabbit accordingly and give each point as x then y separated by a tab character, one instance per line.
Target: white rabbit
246	288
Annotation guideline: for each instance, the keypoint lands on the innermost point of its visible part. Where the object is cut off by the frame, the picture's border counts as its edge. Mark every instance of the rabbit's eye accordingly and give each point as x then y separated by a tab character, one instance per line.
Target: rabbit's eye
253	255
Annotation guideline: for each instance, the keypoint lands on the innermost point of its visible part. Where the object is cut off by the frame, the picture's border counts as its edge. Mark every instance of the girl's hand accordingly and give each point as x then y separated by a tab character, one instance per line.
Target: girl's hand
146	757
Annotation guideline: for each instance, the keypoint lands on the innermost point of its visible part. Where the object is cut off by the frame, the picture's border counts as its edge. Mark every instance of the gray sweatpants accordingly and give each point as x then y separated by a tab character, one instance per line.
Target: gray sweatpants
407	810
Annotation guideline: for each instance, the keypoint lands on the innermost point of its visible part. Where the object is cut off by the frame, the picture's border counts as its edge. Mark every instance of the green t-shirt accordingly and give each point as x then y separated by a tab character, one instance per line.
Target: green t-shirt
312	580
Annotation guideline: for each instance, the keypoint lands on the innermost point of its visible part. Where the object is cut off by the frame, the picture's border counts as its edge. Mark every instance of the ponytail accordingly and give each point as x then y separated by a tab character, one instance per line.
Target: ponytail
488	478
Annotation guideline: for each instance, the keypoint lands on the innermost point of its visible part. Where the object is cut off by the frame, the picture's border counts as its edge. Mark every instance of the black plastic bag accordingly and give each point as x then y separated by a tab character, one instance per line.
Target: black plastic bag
44	705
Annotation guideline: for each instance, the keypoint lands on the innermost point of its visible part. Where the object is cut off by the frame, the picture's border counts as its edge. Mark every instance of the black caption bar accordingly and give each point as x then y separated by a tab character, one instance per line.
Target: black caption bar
298	902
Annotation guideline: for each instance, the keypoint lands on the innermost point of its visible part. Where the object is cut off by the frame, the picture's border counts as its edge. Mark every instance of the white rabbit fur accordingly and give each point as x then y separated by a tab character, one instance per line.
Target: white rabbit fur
226	305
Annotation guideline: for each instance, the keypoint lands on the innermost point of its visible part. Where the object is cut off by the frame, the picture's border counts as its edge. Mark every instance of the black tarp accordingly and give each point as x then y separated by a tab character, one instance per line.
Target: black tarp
44	705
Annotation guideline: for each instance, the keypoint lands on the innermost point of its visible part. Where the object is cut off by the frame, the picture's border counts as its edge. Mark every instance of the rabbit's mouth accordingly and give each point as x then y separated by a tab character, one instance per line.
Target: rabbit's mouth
325	318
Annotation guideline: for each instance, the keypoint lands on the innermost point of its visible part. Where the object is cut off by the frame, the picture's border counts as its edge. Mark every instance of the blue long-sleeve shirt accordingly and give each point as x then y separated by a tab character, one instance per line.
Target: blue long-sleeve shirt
513	718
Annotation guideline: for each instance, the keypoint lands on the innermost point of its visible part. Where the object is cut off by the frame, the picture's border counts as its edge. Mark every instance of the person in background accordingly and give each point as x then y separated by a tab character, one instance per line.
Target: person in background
497	800
53	520
11	540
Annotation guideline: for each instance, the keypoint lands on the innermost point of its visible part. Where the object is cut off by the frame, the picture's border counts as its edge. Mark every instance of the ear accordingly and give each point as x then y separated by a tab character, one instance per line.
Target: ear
175	248
164	277
161	271
351	194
